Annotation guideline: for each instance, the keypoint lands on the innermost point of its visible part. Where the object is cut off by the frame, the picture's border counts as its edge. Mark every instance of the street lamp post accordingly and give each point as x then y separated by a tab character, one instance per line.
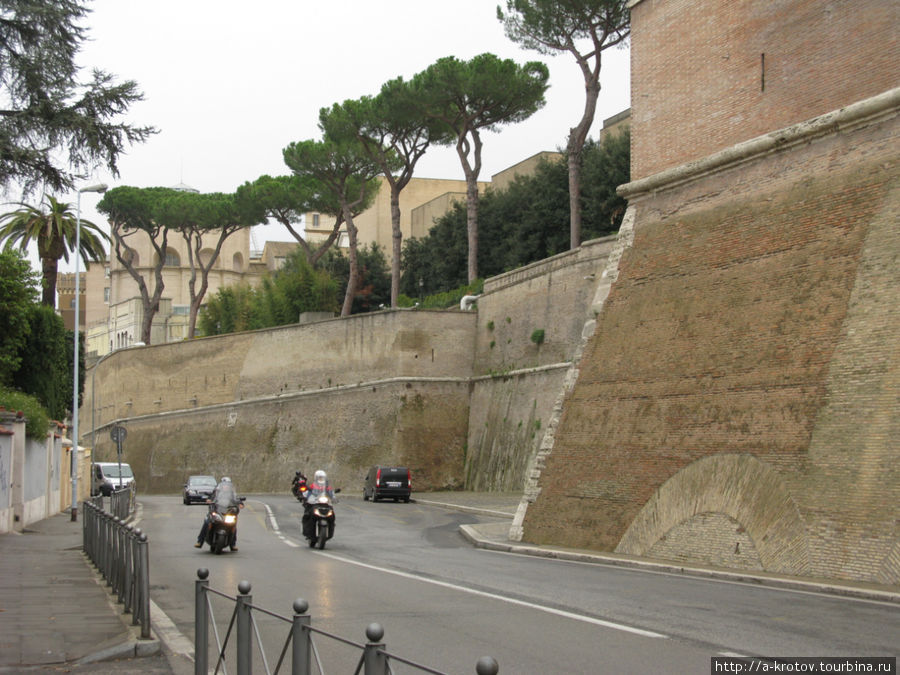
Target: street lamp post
101	187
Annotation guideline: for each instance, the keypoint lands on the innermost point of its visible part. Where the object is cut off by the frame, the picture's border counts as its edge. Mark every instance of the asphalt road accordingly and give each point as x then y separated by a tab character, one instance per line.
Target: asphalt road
444	604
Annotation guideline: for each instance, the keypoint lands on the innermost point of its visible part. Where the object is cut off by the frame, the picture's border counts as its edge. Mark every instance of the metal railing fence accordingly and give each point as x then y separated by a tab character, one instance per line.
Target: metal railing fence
121	554
243	628
121	502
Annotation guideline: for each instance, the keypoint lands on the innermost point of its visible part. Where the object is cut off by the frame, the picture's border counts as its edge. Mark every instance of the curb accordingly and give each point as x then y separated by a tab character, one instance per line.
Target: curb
133	648
470	532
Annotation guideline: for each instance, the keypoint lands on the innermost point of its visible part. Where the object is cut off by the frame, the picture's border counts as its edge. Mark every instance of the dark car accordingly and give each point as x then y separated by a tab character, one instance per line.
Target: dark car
387	482
199	489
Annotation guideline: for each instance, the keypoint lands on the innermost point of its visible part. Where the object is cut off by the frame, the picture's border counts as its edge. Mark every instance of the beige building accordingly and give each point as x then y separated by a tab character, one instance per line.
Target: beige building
433	195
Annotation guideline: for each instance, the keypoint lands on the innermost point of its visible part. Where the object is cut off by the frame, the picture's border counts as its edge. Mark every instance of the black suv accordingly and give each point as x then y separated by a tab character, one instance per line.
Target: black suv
387	482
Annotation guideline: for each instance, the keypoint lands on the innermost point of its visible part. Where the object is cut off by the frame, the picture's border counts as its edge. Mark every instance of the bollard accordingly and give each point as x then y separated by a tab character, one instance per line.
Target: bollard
301	640
374	662
144	581
201	623
128	582
487	665
244	633
114	555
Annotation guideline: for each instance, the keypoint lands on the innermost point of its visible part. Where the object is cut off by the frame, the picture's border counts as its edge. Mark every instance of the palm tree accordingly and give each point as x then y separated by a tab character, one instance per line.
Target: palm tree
55	233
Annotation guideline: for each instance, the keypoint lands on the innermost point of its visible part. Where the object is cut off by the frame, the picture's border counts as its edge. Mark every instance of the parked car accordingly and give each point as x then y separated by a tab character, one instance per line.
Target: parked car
199	489
387	482
105	477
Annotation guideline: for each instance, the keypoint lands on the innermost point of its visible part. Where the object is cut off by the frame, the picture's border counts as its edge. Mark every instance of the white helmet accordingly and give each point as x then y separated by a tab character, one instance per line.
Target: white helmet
319	478
225	479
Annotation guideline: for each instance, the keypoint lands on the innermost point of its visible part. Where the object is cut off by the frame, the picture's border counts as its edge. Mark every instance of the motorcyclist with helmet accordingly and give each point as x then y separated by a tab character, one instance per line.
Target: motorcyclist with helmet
318	487
224	493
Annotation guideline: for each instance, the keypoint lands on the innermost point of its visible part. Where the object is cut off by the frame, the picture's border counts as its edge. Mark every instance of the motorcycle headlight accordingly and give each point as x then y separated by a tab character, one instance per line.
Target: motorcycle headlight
230	519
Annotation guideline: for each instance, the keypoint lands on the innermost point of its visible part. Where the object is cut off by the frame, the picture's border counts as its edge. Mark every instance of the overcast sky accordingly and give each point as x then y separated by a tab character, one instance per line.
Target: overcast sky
229	84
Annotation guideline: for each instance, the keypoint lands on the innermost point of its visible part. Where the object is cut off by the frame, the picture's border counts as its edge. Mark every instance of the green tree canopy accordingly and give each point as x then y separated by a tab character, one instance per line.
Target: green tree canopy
584	28
286	199
131	214
467	97
523	223
45	371
54	127
55	231
295	288
395	135
18	292
373	290
205	221
344	173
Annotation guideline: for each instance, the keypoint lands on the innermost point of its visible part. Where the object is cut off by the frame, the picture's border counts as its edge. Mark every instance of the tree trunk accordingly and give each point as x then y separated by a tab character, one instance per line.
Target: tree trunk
577	138
354	265
49	271
396	244
471	173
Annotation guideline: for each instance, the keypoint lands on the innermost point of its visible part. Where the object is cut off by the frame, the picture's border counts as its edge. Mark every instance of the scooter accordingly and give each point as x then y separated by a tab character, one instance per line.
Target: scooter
298	487
318	520
222	529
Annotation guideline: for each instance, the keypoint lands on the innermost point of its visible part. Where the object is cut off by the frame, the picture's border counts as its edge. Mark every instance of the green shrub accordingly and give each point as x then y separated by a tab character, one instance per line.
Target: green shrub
445	300
537	337
37	421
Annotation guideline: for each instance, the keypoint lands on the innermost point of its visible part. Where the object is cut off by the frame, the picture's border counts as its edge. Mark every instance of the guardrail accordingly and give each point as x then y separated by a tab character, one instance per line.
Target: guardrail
121	554
242	625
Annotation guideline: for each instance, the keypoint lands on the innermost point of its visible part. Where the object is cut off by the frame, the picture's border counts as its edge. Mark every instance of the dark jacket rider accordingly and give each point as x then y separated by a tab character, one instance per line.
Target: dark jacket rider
223	494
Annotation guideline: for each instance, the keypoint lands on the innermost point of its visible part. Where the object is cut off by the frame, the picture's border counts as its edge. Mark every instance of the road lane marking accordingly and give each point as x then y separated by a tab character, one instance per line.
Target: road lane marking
270	515
494	596
472	591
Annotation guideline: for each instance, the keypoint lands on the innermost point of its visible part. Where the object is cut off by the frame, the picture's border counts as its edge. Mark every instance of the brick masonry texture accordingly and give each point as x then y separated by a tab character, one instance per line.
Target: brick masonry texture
711	74
754	325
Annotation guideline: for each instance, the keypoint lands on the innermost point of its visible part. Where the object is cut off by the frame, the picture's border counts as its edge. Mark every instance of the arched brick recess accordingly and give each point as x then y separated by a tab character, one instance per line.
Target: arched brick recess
740	487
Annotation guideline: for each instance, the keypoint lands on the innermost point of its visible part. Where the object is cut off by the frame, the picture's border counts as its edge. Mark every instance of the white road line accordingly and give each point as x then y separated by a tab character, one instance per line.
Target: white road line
270	516
472	591
494	596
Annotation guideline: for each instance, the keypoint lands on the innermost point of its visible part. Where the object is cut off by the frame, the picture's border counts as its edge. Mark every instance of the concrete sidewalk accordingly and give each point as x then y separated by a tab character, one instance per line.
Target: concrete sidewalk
56	612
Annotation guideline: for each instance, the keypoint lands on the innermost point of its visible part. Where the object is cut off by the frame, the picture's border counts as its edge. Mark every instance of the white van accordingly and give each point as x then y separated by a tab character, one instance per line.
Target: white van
105	477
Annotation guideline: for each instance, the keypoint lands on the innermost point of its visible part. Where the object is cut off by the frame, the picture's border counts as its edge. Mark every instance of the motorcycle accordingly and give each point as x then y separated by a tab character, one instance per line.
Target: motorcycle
299	487
222	530
318	525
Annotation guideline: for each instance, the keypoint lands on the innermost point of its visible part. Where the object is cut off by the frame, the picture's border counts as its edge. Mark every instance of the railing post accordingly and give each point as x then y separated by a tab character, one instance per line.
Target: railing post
128	556
301	647
144	582
374	663
107	545
115	554
244	632
201	623
487	665
136	597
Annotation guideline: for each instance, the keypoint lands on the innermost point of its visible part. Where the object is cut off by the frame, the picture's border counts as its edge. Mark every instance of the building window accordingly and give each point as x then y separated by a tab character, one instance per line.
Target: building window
106	295
106	272
315	220
72	305
172	259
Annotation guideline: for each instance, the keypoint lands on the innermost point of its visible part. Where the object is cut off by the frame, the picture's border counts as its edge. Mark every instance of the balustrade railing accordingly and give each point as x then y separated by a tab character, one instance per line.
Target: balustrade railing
243	630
